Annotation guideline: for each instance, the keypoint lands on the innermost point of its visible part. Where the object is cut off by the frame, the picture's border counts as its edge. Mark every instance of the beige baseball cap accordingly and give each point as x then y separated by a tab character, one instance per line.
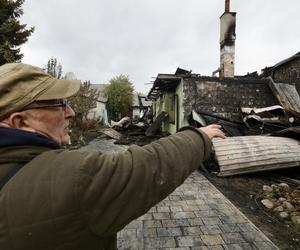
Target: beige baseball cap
22	84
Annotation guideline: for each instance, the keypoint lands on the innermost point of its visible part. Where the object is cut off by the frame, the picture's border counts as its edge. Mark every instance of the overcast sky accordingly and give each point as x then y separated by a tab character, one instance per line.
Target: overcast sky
100	39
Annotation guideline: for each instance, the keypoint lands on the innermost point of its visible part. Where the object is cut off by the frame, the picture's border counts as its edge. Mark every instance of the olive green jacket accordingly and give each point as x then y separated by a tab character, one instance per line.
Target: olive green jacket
79	200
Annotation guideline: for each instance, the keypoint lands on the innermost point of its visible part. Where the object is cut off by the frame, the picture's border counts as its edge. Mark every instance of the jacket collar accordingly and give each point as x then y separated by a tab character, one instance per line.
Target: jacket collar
17	137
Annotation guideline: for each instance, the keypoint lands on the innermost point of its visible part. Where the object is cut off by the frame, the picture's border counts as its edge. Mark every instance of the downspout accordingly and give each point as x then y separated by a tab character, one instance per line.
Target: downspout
177	112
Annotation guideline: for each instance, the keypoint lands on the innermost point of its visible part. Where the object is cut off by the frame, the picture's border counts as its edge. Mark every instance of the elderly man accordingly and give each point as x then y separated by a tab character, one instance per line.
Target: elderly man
53	198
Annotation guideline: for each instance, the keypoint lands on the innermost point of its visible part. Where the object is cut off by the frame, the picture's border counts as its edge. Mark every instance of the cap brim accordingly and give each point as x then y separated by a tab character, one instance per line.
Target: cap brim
60	89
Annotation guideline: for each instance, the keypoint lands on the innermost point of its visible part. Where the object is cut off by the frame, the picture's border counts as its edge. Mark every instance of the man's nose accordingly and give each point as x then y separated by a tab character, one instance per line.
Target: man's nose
69	112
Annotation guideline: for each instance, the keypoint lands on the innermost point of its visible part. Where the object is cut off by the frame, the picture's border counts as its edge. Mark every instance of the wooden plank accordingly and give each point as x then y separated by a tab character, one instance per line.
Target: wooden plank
287	95
246	154
237	150
261	141
259	163
111	133
258	169
155	127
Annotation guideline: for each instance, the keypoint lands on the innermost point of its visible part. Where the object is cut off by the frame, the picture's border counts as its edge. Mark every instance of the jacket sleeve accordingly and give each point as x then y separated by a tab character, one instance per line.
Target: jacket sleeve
117	188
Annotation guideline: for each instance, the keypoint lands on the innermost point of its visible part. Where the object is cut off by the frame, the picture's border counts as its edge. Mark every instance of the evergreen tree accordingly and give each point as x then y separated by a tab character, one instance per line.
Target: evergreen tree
12	32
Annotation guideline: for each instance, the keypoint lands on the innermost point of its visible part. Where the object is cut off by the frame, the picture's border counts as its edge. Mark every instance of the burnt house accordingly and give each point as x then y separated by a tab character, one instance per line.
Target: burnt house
246	107
287	70
188	97
179	95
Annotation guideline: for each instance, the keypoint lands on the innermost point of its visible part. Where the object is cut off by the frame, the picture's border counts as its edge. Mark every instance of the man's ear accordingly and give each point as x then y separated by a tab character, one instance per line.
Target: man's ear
18	120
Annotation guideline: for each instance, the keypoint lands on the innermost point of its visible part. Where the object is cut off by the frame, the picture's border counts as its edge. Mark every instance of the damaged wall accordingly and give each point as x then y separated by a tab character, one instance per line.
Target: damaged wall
225	97
289	72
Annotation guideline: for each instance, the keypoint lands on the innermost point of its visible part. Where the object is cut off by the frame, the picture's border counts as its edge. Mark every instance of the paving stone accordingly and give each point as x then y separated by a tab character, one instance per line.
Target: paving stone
187	197
233	219
168	232
161	216
211	220
163	209
200	196
195	222
253	236
200	248
200	202
176	223
183	215
191	192
207	213
217	247
147	216
232	238
176	209
246	227
152	223
211	240
149	232
185	241
174	197
192	203
128	233
178	203
177	248
152	210
134	224
174	204
230	228
189	208
124	243
177	192
204	207
191	231
210	229
163	242
164	203
221	206
240	246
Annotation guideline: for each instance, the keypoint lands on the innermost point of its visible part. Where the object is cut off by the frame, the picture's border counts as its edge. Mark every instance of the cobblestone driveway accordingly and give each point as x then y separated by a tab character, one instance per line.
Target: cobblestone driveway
195	216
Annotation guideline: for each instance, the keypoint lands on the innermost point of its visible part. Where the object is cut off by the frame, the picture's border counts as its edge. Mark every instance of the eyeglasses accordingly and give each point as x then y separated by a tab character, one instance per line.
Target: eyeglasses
63	103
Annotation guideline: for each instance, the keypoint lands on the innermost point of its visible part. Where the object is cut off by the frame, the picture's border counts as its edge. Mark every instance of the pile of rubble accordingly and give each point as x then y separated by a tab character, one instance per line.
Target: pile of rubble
141	132
283	200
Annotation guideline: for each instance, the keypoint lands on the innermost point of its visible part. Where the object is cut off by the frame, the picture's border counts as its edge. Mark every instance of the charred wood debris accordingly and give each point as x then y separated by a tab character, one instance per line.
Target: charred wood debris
141	131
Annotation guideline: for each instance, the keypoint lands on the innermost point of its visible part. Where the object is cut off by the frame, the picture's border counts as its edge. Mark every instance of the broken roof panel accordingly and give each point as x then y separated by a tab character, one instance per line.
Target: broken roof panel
287	95
163	83
246	154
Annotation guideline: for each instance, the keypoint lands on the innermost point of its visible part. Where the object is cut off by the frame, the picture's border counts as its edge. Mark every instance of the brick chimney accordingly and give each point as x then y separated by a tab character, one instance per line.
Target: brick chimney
227	41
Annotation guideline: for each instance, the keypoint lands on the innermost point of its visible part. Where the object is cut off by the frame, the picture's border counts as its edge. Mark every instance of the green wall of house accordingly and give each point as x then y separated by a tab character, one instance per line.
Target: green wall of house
171	103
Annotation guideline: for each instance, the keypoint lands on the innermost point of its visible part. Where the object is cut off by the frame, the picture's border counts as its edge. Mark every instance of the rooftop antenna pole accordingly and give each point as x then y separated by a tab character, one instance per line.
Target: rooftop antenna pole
227	5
